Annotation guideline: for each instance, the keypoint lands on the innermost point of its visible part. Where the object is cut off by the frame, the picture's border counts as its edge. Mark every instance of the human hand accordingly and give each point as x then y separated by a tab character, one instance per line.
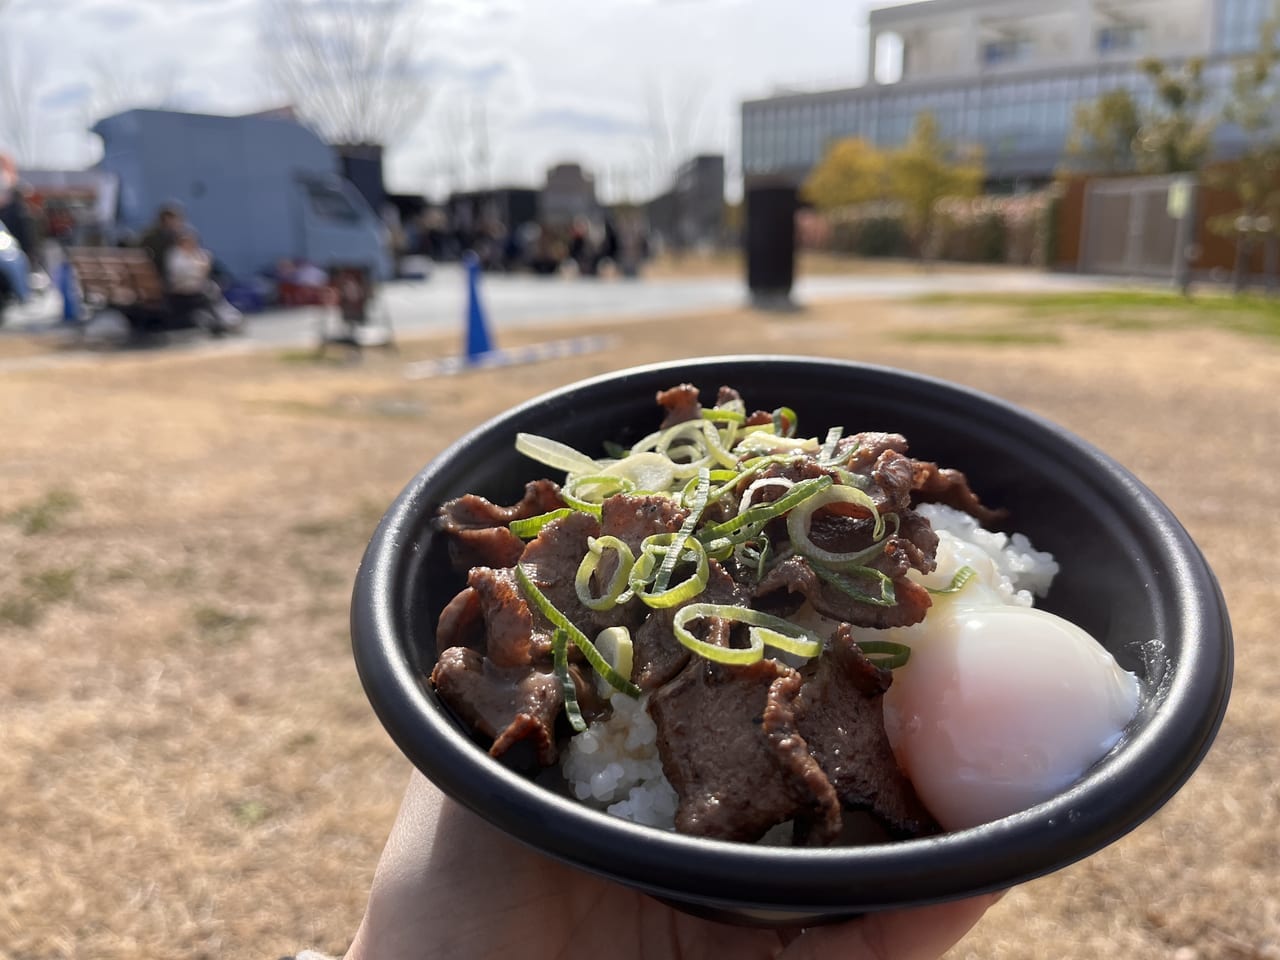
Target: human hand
451	885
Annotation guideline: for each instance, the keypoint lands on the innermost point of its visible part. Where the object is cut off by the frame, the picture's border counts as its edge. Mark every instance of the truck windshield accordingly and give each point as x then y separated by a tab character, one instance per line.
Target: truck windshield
329	203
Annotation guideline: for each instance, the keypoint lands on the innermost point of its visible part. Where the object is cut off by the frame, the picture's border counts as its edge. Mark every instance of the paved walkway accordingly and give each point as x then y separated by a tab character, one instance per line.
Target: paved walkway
513	301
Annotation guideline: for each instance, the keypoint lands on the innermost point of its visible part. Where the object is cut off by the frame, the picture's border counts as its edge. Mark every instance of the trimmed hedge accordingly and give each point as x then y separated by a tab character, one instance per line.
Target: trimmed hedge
1014	230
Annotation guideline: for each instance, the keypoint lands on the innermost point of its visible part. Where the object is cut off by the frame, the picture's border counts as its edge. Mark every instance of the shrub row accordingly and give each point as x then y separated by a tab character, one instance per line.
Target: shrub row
1013	230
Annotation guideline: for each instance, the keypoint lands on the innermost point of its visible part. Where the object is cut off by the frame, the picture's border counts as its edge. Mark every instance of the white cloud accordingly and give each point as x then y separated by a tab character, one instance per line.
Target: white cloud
555	79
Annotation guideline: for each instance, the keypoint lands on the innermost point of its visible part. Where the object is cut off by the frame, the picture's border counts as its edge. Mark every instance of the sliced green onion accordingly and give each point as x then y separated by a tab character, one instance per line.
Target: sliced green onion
763	512
723	480
587	491
799	519
885	653
829	445
649	472
785	422
749	554
614	644
591	560
724	415
719	446
841	580
684	533
643	579
554	453
766	631
579	639
692	445
560	661
532	526
767	443
962	577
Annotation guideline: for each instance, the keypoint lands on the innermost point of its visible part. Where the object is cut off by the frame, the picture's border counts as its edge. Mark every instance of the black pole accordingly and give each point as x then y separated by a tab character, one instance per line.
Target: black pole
770	207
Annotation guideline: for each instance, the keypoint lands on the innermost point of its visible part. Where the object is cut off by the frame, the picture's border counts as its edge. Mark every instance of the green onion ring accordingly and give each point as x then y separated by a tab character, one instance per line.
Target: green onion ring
785	422
885	653
591	560
612	484
958	582
799	519
532	526
766	630
643	570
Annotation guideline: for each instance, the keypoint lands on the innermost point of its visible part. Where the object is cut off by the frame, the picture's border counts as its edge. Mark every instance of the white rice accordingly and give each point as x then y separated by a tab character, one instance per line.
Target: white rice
614	764
1020	571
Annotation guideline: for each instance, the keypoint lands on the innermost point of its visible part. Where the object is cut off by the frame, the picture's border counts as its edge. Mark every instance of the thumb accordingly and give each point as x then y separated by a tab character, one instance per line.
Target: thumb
924	933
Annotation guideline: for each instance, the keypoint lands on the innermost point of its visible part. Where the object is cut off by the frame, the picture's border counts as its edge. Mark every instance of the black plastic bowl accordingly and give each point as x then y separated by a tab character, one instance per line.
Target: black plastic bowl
1130	575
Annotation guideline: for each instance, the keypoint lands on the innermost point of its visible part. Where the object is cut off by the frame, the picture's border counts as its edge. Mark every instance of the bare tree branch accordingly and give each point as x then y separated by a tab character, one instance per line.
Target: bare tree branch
674	120
351	67
18	127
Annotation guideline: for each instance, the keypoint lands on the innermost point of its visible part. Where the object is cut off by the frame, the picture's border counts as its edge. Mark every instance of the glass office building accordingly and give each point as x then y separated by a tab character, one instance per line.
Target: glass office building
1005	75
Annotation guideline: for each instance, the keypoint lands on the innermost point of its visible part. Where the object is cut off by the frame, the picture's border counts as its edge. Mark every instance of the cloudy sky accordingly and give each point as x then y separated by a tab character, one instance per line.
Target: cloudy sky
515	85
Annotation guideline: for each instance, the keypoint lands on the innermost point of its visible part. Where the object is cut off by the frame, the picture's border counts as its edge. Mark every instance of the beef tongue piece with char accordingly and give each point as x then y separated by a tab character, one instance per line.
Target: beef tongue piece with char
796	576
477	528
681	403
934	484
510	705
730	749
839	713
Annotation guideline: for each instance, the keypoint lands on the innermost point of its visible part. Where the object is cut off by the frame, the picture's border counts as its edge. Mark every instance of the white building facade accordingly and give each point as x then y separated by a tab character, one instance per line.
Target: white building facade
1005	75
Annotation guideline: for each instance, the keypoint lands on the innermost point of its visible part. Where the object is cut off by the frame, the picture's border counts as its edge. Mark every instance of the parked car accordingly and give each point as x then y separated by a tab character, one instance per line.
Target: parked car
15	272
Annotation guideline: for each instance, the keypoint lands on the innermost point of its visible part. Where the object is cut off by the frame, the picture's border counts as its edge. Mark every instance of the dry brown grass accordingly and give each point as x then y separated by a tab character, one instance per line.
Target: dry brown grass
188	767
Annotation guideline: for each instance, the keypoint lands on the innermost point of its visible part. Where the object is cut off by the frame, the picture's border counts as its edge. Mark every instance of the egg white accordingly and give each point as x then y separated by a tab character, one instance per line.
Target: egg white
1001	706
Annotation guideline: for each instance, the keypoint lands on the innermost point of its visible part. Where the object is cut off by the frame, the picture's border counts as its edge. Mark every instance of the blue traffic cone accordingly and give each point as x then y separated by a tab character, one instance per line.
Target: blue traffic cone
478	341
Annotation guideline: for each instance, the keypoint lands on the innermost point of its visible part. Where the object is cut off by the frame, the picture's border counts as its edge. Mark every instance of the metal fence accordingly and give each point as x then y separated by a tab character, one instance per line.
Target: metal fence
1138	226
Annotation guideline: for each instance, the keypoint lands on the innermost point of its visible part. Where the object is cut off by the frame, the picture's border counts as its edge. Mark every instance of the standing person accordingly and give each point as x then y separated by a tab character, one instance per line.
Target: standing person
15	214
161	237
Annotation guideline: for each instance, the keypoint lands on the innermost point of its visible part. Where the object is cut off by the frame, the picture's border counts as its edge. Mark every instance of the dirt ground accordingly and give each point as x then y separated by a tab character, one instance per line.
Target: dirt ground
189	768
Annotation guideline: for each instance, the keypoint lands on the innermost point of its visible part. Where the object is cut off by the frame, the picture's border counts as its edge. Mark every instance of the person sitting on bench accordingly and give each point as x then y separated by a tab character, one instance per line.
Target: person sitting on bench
188	269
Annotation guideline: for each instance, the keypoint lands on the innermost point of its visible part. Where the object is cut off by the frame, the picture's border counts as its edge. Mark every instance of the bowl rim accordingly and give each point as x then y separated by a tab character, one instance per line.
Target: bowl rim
1106	804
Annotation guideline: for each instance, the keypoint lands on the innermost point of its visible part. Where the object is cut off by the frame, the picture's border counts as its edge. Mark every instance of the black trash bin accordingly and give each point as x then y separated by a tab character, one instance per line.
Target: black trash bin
771	241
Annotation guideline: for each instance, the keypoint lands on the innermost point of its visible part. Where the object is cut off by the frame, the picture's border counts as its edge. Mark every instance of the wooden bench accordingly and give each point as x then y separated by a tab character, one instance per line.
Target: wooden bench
118	277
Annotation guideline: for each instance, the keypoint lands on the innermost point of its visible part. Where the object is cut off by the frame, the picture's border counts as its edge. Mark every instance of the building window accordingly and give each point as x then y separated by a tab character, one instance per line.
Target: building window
1240	24
1119	38
1005	50
890	58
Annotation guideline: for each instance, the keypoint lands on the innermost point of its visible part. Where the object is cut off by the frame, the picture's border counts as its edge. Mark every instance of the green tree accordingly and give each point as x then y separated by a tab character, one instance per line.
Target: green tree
1102	134
1173	137
852	171
926	169
1254	178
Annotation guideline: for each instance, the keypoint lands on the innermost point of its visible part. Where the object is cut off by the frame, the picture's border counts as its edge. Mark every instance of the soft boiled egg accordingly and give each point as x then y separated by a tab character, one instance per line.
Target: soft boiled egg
1000	706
